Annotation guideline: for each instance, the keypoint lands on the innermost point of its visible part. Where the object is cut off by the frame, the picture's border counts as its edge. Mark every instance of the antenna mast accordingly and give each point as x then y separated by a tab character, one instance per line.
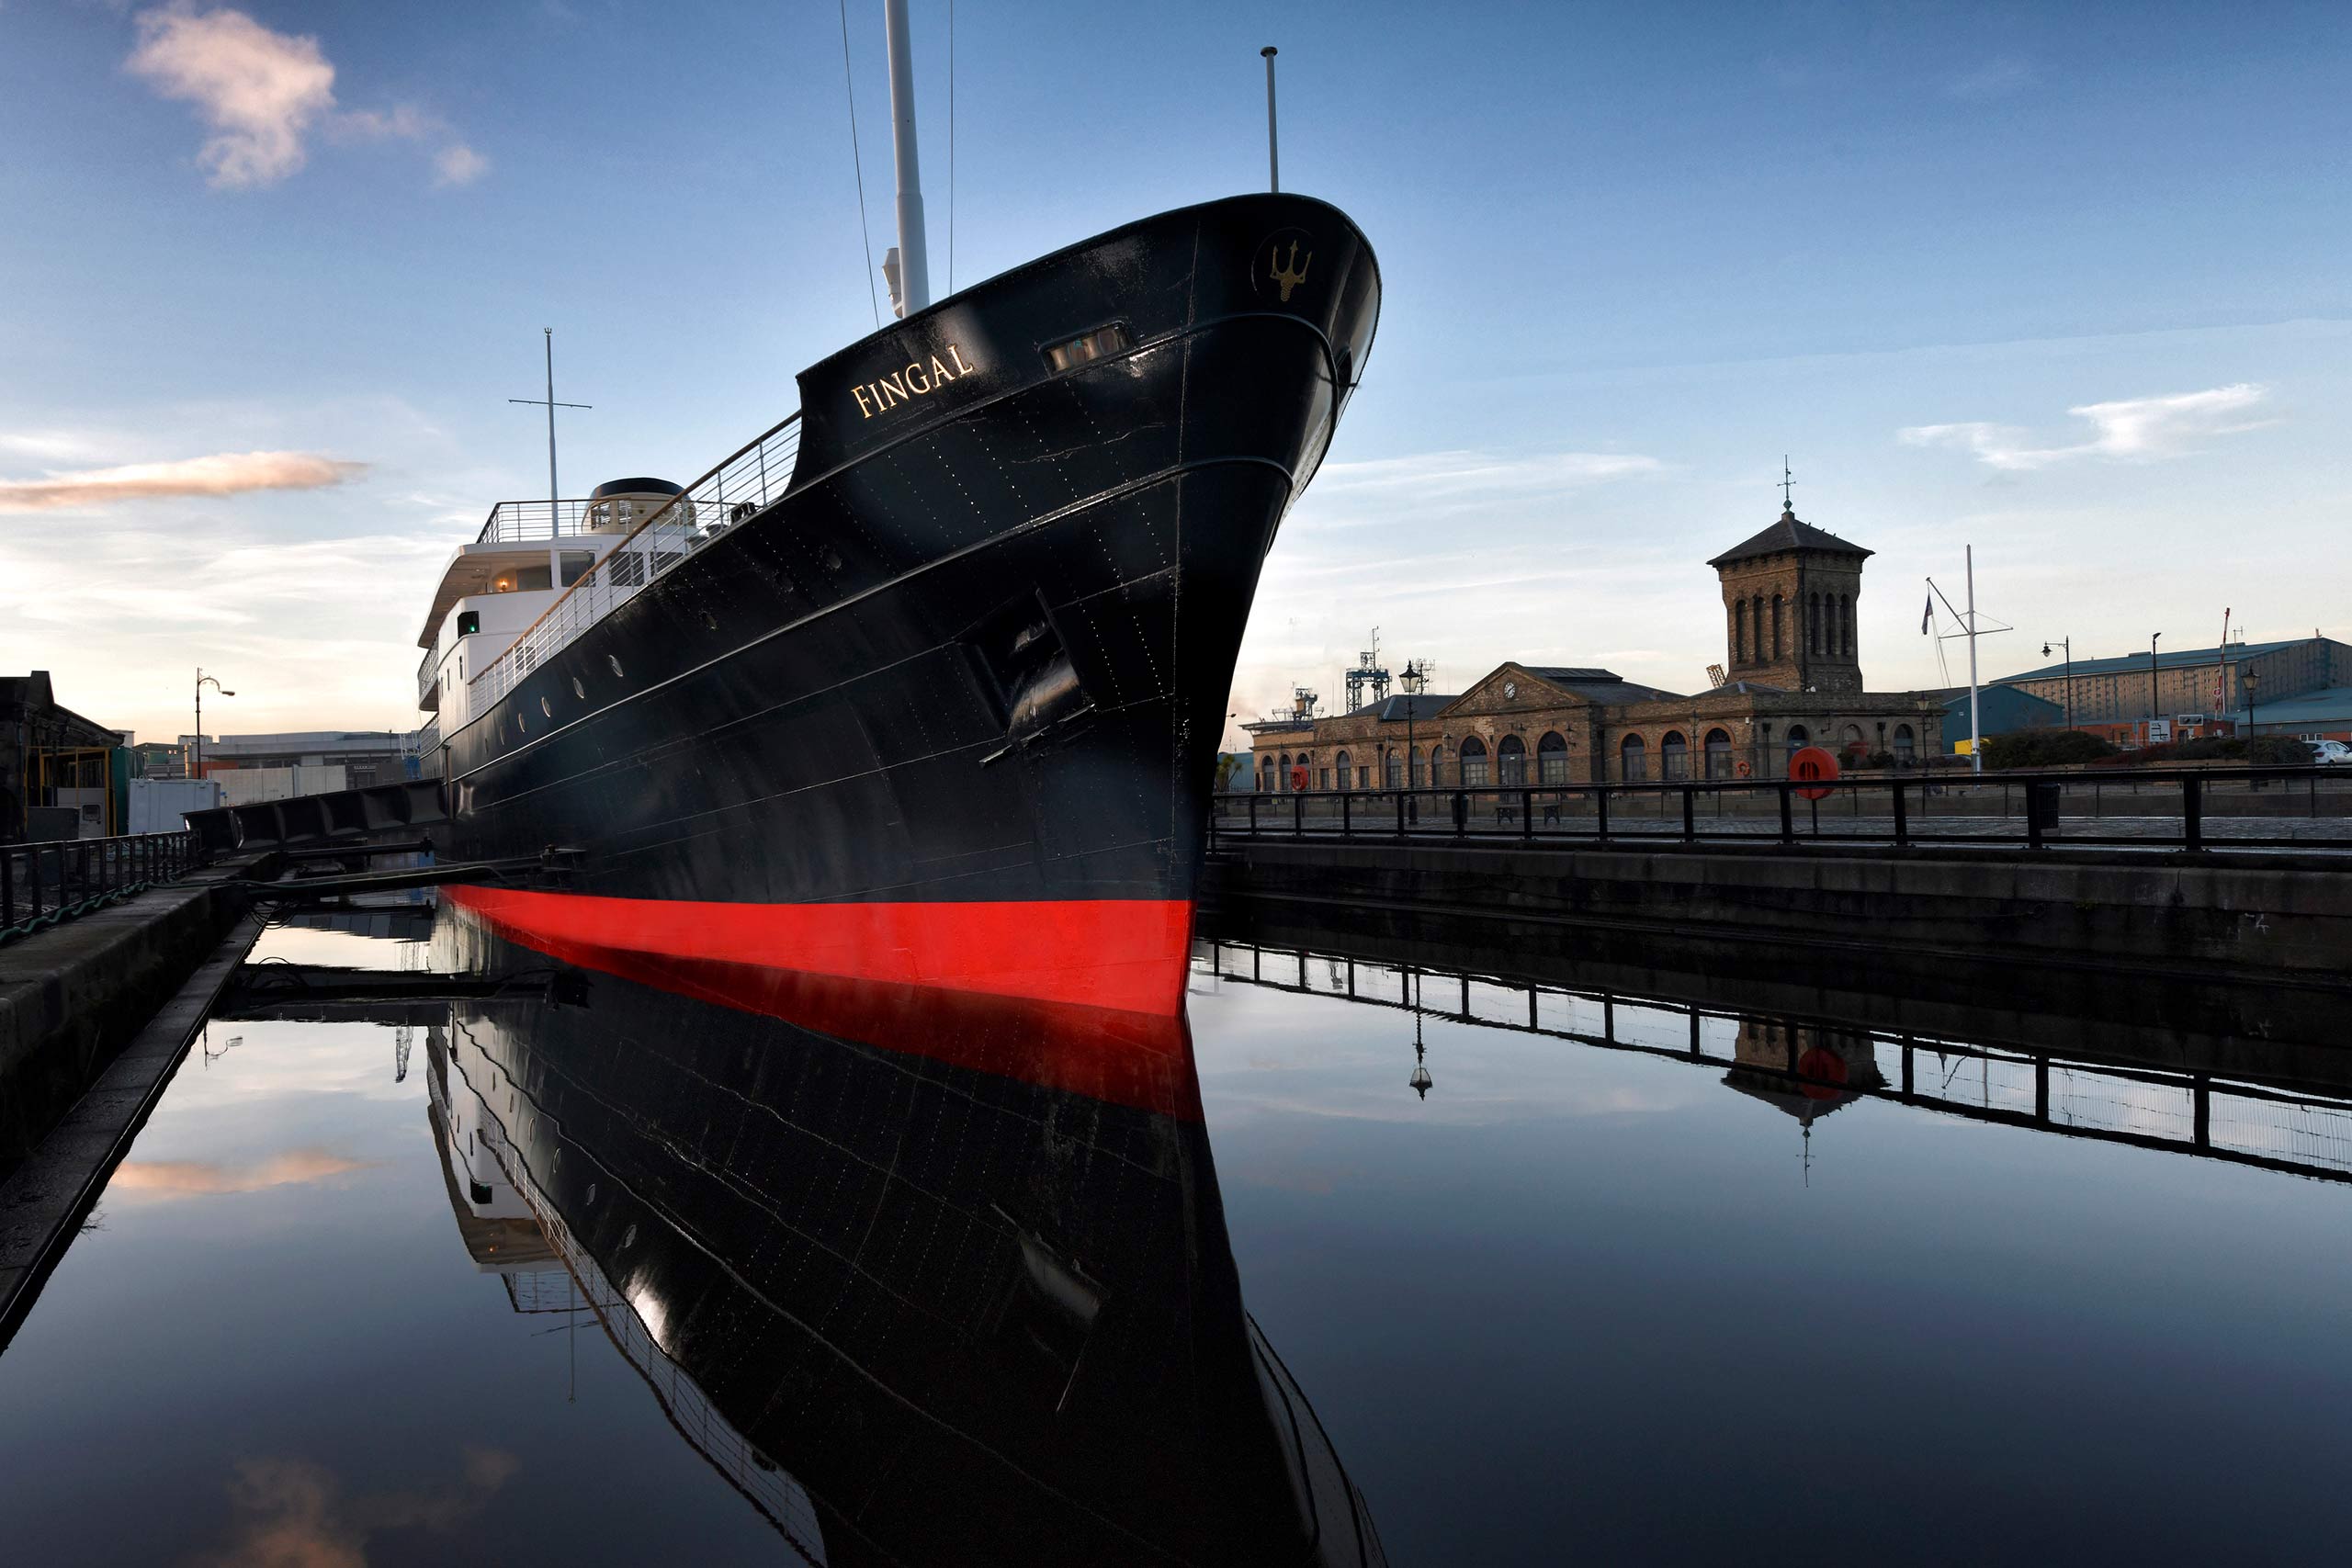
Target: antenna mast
1273	156
913	286
554	495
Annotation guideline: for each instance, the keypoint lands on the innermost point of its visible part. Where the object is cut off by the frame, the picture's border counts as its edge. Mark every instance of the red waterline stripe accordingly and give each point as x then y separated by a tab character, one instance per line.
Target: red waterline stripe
1128	955
1126	1056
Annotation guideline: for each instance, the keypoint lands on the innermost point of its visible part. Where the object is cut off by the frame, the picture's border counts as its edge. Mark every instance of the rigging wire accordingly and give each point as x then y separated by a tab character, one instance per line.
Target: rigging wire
865	237
951	145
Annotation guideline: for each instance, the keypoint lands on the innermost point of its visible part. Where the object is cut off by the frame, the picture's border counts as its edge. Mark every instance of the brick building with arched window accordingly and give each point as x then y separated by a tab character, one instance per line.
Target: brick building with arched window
1794	680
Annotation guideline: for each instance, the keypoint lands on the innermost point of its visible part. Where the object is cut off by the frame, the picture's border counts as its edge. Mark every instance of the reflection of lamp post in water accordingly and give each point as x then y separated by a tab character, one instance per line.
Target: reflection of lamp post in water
1420	1081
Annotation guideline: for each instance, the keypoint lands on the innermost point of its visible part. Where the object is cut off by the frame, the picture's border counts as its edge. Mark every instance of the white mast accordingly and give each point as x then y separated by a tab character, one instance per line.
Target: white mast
1273	153
912	285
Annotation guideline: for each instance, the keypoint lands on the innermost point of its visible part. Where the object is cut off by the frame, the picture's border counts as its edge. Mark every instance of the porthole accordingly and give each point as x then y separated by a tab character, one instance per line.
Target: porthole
547	707
578	690
592	1193
628	1237
615	661
832	560
710	620
522	723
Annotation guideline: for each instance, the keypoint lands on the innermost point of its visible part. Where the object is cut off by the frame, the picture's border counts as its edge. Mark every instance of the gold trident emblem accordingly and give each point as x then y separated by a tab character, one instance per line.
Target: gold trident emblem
1281	273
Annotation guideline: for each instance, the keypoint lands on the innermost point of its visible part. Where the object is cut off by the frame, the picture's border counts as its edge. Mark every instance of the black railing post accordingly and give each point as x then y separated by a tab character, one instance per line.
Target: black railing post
1902	827
1601	814
1788	814
1527	814
1400	813
2032	817
1297	814
1689	816
7	887
1347	817
33	861
1253	816
1461	813
2192	815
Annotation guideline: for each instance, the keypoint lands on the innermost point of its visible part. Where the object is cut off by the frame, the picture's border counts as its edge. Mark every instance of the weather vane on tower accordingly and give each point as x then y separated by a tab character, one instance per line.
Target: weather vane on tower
1785	483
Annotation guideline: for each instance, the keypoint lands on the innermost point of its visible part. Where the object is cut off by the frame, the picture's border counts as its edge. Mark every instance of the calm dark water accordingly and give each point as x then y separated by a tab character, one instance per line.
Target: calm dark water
1594	1298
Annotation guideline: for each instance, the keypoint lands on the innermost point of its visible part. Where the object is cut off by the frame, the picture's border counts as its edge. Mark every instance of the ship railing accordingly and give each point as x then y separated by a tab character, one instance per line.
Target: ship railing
428	739
517	522
742	484
428	672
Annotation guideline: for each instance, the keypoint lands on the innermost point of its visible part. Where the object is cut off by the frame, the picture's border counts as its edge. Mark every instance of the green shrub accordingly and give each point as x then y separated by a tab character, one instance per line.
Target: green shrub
2044	748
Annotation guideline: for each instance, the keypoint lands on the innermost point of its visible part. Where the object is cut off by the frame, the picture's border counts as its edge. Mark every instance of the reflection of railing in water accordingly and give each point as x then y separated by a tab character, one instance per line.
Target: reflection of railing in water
2181	1112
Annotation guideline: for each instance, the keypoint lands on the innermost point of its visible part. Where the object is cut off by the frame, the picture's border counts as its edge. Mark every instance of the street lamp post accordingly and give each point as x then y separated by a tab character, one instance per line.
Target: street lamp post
2151	686
2249	680
2068	644
196	770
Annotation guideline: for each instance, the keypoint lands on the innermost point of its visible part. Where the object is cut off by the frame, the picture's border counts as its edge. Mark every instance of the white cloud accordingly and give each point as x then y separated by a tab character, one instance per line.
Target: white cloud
226	473
258	90
458	165
264	92
2132	429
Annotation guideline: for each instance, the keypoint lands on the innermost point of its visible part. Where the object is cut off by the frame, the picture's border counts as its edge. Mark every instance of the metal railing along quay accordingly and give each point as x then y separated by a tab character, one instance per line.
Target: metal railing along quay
46	884
2186	809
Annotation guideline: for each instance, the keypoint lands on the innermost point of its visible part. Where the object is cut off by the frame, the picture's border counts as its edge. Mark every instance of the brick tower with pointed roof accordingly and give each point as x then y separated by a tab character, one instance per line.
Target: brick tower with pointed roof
1789	595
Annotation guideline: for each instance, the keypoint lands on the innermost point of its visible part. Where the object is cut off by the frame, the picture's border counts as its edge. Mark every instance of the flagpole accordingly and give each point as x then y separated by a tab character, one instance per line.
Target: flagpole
1975	731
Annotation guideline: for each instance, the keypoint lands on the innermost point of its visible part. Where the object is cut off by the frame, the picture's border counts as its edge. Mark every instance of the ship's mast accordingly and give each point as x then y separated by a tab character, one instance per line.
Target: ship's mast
912	285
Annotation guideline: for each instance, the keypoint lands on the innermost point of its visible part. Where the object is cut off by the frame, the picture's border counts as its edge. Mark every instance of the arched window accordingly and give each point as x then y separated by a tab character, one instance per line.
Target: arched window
1266	774
1552	759
1393	769
1420	770
1798	741
1739	633
1813	639
1341	763
1674	756
1776	626
1633	759
1757	623
1281	779
1718	753
1510	756
1851	747
1437	766
1904	746
1476	771
1846	615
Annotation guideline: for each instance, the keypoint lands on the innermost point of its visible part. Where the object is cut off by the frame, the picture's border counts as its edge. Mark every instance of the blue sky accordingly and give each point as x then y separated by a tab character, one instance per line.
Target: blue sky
2065	282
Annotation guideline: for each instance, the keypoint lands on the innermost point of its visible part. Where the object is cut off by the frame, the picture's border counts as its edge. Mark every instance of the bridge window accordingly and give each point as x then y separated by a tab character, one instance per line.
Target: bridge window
1512	755
1633	759
1552	759
1718	754
1904	746
1477	770
1674	756
468	622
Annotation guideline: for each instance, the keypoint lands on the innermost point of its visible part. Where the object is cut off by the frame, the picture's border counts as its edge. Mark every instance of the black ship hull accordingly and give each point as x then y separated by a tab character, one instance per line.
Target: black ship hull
947	714
915	1312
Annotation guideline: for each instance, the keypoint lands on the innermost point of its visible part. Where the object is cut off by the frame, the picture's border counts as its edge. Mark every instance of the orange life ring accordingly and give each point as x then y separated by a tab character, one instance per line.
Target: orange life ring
1743	770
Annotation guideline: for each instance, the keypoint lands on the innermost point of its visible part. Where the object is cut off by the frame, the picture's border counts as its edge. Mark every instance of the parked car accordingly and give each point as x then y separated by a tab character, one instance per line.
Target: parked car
2331	752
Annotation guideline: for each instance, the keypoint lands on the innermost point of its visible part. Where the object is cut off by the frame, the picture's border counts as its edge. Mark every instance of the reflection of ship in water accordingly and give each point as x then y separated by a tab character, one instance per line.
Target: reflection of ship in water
917	1312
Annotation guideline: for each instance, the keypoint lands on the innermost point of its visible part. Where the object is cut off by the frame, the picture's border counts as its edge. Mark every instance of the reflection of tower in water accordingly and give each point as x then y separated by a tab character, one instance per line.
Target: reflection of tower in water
1805	1069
